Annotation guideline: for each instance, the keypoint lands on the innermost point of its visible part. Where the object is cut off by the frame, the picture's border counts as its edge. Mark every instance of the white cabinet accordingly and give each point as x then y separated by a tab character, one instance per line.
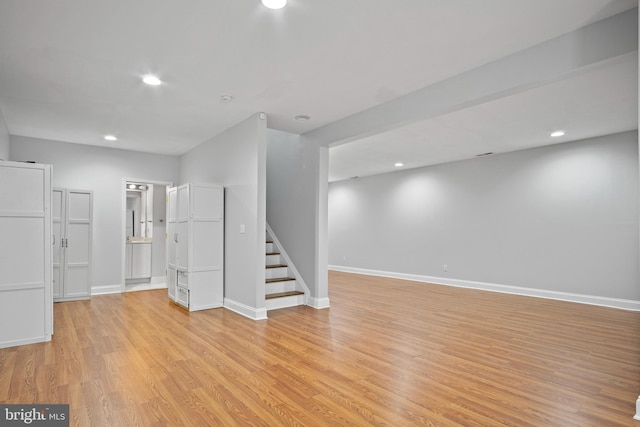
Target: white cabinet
72	212
26	303
138	260
172	282
196	245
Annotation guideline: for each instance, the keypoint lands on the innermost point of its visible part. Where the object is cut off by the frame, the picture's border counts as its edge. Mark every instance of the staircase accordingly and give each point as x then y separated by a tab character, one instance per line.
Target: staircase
281	287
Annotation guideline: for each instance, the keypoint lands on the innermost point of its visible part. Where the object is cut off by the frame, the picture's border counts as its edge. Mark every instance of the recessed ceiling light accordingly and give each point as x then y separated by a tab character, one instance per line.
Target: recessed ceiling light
151	80
226	98
557	133
302	117
274	4
399	165
133	186
110	138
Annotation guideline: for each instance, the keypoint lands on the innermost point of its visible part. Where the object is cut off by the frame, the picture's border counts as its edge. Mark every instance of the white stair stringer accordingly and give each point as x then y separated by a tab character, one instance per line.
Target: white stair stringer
279	266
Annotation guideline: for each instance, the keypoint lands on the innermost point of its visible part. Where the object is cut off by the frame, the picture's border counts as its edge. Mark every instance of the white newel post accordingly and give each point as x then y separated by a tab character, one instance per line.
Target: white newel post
637	416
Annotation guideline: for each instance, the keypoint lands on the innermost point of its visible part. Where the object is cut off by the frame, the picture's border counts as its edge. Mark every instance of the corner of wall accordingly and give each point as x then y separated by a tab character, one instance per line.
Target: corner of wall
5	139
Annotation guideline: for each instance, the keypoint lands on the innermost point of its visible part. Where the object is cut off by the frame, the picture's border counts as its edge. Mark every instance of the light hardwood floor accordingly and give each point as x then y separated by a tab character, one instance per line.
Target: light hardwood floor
387	352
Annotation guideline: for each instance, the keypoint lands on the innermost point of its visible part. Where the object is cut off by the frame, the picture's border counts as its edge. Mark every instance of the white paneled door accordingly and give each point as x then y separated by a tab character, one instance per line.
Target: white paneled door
26	312
72	234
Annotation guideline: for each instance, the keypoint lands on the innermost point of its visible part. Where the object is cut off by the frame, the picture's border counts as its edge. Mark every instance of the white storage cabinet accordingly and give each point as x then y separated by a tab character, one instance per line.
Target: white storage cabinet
72	214
26	298
196	245
138	260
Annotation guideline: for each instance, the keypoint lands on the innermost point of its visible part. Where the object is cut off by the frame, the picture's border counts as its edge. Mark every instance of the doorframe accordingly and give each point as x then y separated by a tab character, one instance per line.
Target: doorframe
123	219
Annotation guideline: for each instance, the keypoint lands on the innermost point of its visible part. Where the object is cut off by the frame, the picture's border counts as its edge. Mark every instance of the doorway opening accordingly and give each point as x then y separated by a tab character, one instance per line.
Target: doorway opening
144	234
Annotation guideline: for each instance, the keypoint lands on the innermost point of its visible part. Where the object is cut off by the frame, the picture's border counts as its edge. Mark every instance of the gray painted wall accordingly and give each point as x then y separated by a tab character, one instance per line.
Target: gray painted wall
236	159
293	208
561	218
4	138
100	170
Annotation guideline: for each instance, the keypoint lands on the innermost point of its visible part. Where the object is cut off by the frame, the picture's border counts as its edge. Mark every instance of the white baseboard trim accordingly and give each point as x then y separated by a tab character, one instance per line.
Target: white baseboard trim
204	307
146	286
622	304
25	341
107	289
637	416
318	303
245	310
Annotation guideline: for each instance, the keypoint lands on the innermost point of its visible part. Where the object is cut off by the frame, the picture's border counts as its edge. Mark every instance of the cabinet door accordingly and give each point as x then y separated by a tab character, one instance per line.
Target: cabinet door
58	207
140	260
172	279
77	280
25	254
172	243
127	261
182	245
172	206
207	202
171	226
182	203
207	245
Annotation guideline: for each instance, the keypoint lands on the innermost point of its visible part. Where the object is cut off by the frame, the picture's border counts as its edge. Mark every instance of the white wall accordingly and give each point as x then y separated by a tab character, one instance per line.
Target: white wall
236	159
562	218
101	170
4	139
294	171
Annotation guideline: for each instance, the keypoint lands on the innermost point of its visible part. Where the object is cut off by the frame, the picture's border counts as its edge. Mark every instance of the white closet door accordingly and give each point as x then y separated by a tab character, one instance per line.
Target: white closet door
207	247
182	205
25	254
207	203
171	227
182	227
78	244
58	207
182	246
172	200
23	226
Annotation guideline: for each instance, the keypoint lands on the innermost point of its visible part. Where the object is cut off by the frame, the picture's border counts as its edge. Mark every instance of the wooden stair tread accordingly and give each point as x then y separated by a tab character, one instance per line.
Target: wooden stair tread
269	241
283	294
273	253
276	265
280	279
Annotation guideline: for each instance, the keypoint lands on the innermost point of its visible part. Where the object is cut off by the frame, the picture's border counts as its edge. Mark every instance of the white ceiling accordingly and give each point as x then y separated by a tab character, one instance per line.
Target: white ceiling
600	101
70	71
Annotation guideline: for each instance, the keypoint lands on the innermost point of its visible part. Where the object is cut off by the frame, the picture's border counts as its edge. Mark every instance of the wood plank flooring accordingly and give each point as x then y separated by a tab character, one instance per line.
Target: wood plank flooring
387	352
